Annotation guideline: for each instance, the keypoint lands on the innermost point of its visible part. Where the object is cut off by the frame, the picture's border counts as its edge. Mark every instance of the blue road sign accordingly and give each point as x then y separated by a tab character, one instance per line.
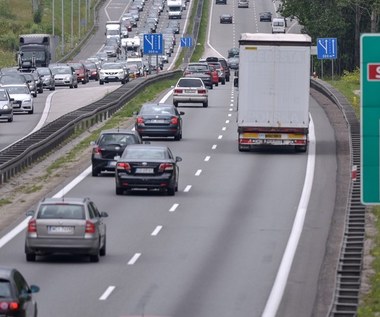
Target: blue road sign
327	48
153	43
186	42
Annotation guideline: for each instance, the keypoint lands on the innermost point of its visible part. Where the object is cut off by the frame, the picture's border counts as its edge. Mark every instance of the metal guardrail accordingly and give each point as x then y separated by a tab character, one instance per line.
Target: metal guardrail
35	146
348	276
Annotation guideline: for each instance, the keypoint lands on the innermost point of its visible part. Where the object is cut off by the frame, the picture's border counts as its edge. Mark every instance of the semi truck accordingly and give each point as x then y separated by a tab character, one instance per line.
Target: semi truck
274	87
36	50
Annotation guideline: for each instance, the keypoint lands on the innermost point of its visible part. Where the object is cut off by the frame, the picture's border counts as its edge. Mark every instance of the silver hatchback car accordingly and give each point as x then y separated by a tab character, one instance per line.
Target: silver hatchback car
66	225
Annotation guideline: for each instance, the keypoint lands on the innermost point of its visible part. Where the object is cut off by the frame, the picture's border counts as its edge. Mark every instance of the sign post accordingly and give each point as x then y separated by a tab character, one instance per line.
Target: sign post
370	118
327	48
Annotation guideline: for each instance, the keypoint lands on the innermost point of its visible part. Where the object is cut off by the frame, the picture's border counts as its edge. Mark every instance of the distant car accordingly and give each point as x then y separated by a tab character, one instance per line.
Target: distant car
190	90
159	120
12	78
16	296
66	225
223	63
200	70
6	105
266	16
65	76
233	62
146	166
214	75
220	1
47	77
31	83
226	18
93	70
22	98
109	146
243	4
81	71
221	72
110	72
233	52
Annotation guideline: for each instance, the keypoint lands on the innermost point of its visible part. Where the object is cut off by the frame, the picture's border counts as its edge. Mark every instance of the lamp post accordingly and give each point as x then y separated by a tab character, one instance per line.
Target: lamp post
72	23
63	32
52	16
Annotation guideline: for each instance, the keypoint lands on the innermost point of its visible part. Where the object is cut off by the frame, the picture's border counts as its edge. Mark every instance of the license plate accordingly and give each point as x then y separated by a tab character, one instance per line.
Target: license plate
112	163
144	170
190	91
61	229
116	157
157	121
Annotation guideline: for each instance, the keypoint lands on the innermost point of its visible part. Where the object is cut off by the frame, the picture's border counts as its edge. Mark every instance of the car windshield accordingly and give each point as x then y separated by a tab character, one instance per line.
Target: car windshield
44	71
189	82
5	288
117	138
112	66
145	154
12	79
61	211
18	90
3	95
156	109
61	70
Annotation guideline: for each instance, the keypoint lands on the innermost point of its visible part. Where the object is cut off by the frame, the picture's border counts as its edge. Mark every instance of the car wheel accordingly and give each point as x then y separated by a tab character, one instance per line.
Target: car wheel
95	172
101	82
102	251
205	104
123	82
52	88
94	258
35	94
71	86
211	87
119	191
31	111
41	90
178	136
224	81
30	257
10	119
175	104
171	191
76	86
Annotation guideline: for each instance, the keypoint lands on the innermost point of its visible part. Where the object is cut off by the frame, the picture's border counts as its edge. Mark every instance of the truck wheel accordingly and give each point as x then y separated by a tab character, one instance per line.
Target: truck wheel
302	148
123	82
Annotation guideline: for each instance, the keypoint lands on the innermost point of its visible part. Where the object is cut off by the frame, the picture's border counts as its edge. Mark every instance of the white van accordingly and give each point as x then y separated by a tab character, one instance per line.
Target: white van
278	25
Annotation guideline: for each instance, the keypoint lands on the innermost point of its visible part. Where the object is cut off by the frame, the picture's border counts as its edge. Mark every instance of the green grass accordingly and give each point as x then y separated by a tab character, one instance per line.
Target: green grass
4	201
199	49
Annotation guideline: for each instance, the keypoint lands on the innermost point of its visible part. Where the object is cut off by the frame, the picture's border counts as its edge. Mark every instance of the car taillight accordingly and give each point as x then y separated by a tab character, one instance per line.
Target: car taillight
123	166
174	120
140	120
32	226
165	167
202	91
90	227
97	151
178	91
9	306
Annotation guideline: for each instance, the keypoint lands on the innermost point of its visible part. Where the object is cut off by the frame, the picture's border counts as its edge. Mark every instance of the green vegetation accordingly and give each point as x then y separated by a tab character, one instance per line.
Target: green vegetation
17	17
199	49
4	201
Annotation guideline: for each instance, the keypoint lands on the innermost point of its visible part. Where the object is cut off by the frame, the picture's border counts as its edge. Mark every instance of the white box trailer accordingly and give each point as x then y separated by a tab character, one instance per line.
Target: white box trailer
274	87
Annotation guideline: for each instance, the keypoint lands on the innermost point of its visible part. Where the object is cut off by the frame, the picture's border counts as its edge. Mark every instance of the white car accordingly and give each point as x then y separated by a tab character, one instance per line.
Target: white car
112	72
190	90
22	98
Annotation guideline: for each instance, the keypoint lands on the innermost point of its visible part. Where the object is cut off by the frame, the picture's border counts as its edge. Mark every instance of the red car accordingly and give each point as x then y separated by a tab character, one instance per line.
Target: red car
214	75
82	72
93	70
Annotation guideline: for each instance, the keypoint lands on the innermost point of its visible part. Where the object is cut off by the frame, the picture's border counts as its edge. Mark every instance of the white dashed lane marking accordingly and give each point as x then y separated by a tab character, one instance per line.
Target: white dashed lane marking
134	258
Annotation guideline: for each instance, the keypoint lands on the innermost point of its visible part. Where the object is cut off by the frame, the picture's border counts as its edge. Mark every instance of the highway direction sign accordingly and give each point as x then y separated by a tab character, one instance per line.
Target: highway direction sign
327	48
153	43
370	118
186	42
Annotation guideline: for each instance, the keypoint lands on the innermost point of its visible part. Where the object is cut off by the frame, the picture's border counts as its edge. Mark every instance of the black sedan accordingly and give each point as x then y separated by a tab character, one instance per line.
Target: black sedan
149	167
266	16
109	146
226	18
16	298
159	120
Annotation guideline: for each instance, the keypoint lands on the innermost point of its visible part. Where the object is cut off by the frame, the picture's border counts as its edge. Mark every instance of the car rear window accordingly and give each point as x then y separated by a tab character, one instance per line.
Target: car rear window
5	288
117	138
61	211
190	82
146	154
156	109
197	68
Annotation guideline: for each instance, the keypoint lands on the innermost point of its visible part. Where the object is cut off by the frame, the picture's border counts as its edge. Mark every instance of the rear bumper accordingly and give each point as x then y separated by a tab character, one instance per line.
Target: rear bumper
67	245
157	132
145	182
190	99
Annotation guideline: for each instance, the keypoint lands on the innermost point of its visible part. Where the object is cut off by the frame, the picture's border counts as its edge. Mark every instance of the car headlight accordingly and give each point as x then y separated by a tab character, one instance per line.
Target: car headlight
6	107
68	78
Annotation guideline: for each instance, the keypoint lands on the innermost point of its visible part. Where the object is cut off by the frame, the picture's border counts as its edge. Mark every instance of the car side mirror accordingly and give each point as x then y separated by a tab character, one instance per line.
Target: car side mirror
30	213
34	288
178	159
181	113
103	214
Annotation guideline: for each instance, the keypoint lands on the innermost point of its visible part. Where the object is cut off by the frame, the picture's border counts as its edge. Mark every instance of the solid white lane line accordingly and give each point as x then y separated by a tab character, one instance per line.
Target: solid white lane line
156	231
214	147
107	293
278	288
187	188
207	158
134	259
174	207
198	172
220	137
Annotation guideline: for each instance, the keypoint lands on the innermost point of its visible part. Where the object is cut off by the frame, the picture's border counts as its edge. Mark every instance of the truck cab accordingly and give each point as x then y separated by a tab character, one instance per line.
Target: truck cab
175	9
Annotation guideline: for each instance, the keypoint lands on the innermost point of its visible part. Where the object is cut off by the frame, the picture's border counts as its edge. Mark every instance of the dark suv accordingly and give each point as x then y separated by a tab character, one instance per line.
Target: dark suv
16	298
108	148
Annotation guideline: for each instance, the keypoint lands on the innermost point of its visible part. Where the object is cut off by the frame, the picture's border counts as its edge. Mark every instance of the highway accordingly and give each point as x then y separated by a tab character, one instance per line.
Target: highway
215	248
